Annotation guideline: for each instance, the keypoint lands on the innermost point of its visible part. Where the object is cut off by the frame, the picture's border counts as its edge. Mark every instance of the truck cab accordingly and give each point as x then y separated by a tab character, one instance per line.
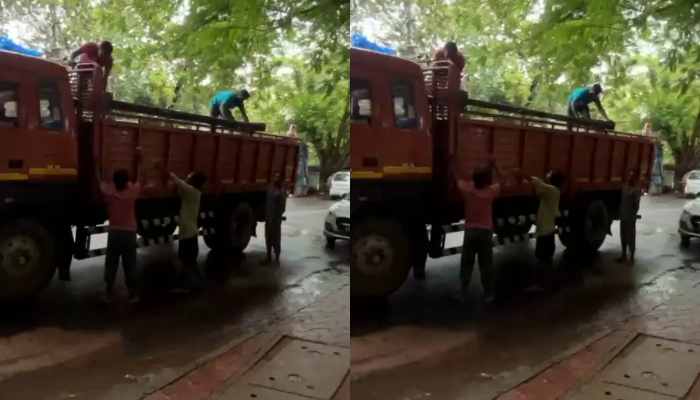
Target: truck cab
37	122
389	118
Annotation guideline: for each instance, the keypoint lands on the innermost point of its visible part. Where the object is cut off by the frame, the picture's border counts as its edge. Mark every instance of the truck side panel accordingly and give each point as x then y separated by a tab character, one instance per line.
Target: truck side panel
589	161
232	163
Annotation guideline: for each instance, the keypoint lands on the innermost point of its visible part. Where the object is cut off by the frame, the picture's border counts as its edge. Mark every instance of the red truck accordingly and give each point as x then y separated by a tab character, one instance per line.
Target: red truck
54	127
408	121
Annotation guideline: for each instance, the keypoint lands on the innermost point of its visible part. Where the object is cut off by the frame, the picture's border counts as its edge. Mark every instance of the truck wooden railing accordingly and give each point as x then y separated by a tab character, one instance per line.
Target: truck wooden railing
83	76
441	82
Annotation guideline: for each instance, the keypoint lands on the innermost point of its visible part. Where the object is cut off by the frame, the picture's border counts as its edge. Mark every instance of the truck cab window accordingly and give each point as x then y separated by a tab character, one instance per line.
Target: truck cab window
8	104
403	96
360	102
50	105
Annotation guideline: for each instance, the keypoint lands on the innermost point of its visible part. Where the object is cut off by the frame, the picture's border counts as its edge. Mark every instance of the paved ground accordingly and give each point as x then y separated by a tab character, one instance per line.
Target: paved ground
66	346
423	345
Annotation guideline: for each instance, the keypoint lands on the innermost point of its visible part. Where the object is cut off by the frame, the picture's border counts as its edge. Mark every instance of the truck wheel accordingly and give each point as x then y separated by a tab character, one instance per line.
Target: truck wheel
596	224
241	225
381	257
588	229
27	258
235	230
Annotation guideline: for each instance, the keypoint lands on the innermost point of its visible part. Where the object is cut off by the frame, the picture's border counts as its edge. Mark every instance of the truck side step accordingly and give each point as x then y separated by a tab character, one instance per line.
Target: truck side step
141	242
501	241
459	227
94	230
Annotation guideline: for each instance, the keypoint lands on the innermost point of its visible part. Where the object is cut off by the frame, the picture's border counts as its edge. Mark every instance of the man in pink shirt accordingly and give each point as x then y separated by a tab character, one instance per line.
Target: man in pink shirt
478	194
119	200
100	54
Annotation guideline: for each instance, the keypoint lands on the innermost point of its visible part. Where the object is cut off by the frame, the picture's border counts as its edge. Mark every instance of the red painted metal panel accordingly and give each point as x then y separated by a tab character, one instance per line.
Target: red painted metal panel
534	162
246	166
601	162
618	160
559	153
264	163
227	160
118	150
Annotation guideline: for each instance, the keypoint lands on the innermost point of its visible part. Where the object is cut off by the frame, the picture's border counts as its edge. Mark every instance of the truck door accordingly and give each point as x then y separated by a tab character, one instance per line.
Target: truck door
51	131
409	128
364	125
13	125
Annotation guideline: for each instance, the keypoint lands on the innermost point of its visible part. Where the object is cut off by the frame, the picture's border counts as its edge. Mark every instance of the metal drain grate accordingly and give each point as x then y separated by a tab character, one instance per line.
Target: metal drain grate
609	391
304	368
249	392
656	365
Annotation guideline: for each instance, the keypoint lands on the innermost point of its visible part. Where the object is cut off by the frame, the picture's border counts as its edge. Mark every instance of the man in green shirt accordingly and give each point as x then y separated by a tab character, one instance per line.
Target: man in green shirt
548	192
190	192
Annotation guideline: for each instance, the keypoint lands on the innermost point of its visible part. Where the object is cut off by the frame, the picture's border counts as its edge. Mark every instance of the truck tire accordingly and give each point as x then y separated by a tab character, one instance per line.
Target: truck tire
241	225
234	230
596	224
381	257
589	228
28	258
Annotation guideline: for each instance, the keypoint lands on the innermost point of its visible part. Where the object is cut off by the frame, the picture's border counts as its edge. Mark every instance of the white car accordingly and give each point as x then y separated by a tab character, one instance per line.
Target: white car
337	223
689	224
340	184
691	184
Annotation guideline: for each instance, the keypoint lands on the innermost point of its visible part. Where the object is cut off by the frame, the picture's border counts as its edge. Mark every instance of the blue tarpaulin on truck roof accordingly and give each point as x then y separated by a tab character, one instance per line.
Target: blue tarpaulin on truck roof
362	42
8	44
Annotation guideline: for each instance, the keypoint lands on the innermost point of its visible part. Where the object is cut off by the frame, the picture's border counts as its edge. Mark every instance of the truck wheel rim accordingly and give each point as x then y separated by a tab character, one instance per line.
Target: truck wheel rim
241	229
19	256
374	255
596	227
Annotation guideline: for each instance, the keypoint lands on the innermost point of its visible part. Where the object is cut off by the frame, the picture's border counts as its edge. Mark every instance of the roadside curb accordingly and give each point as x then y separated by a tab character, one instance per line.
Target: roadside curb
569	370
365	360
167	376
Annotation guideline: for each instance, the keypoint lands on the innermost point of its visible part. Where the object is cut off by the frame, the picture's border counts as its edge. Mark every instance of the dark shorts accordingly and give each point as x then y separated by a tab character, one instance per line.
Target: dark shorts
544	248
188	250
576	109
214	112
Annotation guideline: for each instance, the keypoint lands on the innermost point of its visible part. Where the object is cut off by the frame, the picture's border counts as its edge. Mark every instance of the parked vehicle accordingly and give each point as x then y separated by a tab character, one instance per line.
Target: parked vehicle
691	184
689	223
340	184
406	126
55	126
337	223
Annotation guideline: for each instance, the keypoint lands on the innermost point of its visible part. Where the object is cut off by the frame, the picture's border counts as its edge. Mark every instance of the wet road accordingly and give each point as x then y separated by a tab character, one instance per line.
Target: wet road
422	344
65	345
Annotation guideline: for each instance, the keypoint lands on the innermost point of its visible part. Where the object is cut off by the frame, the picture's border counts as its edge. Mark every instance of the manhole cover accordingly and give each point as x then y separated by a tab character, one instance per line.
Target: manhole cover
305	368
657	365
250	392
609	391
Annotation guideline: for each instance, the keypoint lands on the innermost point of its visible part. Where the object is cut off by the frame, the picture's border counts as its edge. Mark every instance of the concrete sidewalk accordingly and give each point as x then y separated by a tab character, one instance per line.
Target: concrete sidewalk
655	356
306	356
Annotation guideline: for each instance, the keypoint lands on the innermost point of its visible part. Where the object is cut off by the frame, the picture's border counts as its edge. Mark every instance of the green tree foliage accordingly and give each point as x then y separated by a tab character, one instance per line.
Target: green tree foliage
318	104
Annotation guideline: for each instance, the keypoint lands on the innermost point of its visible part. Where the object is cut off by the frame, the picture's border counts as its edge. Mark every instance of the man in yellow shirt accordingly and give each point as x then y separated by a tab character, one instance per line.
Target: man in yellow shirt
190	192
548	192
